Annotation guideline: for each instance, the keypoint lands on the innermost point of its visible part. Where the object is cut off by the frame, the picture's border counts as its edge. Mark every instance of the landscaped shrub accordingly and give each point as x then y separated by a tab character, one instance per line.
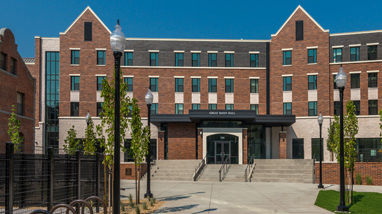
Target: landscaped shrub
153	200
151	203
369	180
122	206
130	198
137	210
358	178
144	205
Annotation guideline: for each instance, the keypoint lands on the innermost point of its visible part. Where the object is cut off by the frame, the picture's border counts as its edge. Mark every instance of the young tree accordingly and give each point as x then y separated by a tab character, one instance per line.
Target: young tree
330	140
90	139
14	130
71	144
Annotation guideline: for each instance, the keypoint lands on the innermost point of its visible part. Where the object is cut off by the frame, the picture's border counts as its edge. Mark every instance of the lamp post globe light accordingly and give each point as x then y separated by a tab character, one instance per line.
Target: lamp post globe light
149	100
341	82
117	43
320	119
87	118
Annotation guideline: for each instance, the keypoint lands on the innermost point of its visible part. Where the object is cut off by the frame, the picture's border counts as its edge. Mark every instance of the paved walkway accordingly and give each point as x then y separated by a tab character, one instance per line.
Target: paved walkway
227	197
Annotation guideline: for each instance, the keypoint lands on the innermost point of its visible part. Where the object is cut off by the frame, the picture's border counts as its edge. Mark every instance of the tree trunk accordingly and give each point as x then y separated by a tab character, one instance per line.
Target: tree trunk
109	208
136	187
105	179
139	183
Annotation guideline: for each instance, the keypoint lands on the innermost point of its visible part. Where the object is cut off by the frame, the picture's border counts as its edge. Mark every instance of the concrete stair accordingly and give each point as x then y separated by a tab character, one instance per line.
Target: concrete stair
235	173
284	170
173	170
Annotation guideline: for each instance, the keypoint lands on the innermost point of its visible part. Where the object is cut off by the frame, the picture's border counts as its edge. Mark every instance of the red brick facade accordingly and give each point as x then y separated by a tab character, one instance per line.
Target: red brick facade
127	168
181	141
283	145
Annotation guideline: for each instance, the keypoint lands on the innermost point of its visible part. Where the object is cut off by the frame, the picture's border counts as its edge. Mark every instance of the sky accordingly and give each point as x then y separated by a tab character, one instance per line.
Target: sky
198	19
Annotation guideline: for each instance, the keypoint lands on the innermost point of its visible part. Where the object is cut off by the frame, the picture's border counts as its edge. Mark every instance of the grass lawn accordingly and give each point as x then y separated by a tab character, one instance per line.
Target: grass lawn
364	202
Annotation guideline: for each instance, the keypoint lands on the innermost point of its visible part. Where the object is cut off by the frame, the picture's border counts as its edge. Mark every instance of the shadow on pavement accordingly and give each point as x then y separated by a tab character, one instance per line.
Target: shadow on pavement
206	210
176	209
178	197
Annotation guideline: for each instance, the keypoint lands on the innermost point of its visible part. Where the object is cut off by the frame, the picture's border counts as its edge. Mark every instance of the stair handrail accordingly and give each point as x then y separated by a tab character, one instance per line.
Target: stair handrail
249	169
199	168
224	168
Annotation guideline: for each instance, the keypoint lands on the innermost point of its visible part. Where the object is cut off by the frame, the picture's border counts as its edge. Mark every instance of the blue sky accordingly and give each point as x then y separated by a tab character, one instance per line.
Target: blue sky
210	19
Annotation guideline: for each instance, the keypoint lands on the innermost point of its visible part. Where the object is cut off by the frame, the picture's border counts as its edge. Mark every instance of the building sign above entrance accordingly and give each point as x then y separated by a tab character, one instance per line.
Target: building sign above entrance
223	112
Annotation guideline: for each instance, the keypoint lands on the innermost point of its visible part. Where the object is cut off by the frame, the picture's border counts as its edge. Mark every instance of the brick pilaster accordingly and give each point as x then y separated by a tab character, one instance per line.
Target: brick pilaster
160	145
245	146
200	144
282	145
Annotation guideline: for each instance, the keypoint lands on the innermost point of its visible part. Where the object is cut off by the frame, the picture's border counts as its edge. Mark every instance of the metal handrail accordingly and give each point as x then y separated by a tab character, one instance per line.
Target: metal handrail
224	168
199	168
248	169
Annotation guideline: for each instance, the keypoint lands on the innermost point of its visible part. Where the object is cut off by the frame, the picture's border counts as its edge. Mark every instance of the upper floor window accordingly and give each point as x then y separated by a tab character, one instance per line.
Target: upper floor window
287	83
20	103
373	107
228	106
372	52
337	54
354	54
312	55
254	59
212	86
357	109
354	80
154	108
178	108
99	109
287	108
129	59
3	61
228	60
254	86
101	57
75	83
337	108
212	107
99	83
153	59
13	66
129	82
373	80
334	82
179	59
212	62
196	60
312	82
299	30
228	85
88	31
312	108
75	57
255	107
196	85
287	57
179	85
154	84
195	106
74	109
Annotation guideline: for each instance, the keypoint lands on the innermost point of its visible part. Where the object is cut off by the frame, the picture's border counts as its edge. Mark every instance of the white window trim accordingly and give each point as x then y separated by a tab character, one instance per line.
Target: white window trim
101	75
179	77
101	65
212	77
287	75
153	51
74	49
75	75
229	52
287	49
312	63
229	77
354	45
128	75
374	71
254	77
312	47
338	46
355	72
153	76
311	74
100	49
195	51
178	51
74	64
335	73
287	65
212	51
195	77
375	43
254	52
128	50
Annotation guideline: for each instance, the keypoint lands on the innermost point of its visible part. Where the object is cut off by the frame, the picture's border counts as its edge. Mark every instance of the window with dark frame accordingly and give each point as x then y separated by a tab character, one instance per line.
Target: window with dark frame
74	109
255	107
254	60
3	61
287	83
179	59
75	83
212	107
287	108
154	84
337	108
299	30
312	82
99	108
128	58
373	107
154	108
128	157
372	52
316	148
88	31
228	106
298	148
99	83
254	87
357	109
20	103
354	54
337	55
101	58
153	59
312	108
195	106
312	55
13	66
212	62
334	82
75	57
196	60
354	80
228	60
129	82
373	80
178	108
229	85
212	86
287	57
195	85
179	85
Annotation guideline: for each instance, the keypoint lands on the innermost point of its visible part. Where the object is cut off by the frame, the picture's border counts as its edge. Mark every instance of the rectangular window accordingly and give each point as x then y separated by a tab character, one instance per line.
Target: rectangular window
254	59
372	52
334	82
312	82
101	58
212	86
99	83
154	84
75	58
312	111
74	109
357	110
153	59
128	58
298	148
20	103
337	108
178	108
287	58
196	85
75	83
312	55
154	108
228	106
212	107
3	61
255	107
128	157
299	30
373	80
354	54
228	60
229	86
178	59
179	85
88	31
129	82
316	148
354	80
254	86
195	60
287	108
337	54
13	66
287	83
373	107
195	106
212	60
99	109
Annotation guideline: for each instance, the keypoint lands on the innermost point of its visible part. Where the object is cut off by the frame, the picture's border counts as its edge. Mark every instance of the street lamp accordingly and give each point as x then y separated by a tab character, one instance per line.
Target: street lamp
87	118
149	100
341	82
320	119
117	43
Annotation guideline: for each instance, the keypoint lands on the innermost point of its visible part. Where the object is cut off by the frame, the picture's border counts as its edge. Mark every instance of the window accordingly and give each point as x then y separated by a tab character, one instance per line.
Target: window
88	31
212	60
178	59
74	109
228	85
129	59
20	103
298	148
312	55
287	108
154	84
254	59
354	54
99	83
195	85
13	66
195	60
373	107
373	80
128	157
299	30
337	54
354	80
372	52
357	105
212	85
228	106
334	82
287	58
154	108
179	85
228	60
212	107
178	108
254	86
316	148
195	106
255	107
101	57
368	149
99	109
3	61
337	108
287	83
129	82
153	59
75	58
312	111
312	82
75	83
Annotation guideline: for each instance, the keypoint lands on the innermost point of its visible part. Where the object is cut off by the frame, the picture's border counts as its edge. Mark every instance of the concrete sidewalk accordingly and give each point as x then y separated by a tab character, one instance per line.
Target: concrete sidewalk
230	197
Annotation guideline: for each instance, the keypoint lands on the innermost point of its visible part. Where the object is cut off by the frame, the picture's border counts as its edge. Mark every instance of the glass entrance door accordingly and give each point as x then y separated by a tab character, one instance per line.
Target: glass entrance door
223	150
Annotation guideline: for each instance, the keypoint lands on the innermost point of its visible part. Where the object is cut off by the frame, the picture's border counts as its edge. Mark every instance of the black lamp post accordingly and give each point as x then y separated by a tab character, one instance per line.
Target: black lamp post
320	120
149	100
341	82
117	43
87	118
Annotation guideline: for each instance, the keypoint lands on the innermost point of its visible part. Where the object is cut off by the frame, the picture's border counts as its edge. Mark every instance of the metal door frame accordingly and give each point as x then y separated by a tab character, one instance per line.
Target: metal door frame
229	149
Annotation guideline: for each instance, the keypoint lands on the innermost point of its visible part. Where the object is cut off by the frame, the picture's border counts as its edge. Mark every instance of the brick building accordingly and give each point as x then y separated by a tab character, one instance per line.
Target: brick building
214	98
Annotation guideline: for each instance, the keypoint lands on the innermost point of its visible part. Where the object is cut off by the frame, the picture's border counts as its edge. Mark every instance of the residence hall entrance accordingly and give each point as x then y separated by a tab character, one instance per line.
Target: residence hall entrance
221	146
